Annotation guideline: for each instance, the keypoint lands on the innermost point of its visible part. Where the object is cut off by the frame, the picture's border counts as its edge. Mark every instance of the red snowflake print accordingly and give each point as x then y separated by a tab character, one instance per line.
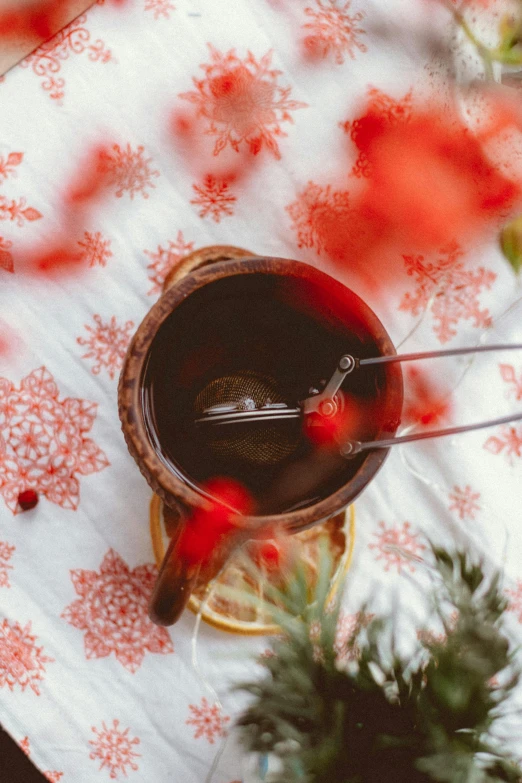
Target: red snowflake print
384	108
166	259
508	373
509	443
46	447
6	553
331	30
348	628
242	101
9	164
95	249
128	170
464	502
398	547
46	61
429	638
515	600
16	211
160	8
107	344
21	661
316	210
214	198
115	749
208	721
53	777
112	610
453	288
6	259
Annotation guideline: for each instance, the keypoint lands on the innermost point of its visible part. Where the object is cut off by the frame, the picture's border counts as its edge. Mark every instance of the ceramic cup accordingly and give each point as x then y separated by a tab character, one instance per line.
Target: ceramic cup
226	313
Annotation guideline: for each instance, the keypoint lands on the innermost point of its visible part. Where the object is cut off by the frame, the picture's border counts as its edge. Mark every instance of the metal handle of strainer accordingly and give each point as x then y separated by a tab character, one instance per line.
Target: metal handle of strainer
351	448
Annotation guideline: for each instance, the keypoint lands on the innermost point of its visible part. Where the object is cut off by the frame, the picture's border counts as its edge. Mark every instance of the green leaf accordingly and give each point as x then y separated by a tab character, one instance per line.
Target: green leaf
511	243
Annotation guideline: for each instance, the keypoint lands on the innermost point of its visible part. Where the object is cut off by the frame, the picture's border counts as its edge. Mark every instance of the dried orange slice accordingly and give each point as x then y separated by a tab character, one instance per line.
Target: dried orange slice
252	616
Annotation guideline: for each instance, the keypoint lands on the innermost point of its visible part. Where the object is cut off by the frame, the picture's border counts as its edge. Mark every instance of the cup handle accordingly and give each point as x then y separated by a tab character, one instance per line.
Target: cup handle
178	577
175	581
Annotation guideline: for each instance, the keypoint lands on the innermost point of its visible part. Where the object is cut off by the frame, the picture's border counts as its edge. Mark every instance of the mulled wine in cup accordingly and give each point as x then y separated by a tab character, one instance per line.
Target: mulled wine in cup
210	391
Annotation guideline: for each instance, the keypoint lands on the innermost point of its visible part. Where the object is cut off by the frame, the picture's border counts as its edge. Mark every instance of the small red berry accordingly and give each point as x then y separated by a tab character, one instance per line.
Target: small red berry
27	499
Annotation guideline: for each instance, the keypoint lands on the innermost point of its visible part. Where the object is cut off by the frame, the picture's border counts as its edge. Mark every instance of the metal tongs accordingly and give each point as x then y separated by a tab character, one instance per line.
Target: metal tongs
328	402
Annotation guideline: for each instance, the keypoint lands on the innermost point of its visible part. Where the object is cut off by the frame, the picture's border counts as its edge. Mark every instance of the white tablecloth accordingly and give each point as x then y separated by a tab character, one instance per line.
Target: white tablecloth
88	701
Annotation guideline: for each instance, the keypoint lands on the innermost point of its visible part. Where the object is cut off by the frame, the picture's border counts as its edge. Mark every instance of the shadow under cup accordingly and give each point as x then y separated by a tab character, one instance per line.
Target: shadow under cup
249	332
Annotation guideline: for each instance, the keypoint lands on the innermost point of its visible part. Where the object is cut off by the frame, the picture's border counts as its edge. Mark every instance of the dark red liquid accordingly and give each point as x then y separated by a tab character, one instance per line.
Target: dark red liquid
281	328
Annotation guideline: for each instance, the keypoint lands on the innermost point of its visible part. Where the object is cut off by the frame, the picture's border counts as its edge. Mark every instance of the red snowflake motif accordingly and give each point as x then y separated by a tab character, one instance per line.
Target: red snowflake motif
508	373
53	777
398	547
388	110
166	259
242	101
112	610
160	8
314	632
6	259
6	553
208	721
508	442
214	198
515	600
464	502
333	30
45	441
115	749
21	661
46	61
107	344
429	638
453	288
128	170
15	211
95	249
348	628
317	208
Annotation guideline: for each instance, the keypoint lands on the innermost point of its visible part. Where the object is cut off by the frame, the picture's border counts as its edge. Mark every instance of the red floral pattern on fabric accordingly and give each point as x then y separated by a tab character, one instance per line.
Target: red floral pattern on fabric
45	444
127	170
166	259
331	30
399	547
22	662
159	8
95	249
509	375
13	210
112	610
464	502
242	101
508	442
449	289
115	749
207	721
6	553
385	108
107	344
214	198
348	628
515	600
315	209
53	777
46	61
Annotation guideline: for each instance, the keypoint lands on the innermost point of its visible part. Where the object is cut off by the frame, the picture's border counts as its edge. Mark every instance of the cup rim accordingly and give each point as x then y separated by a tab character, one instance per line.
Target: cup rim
173	490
